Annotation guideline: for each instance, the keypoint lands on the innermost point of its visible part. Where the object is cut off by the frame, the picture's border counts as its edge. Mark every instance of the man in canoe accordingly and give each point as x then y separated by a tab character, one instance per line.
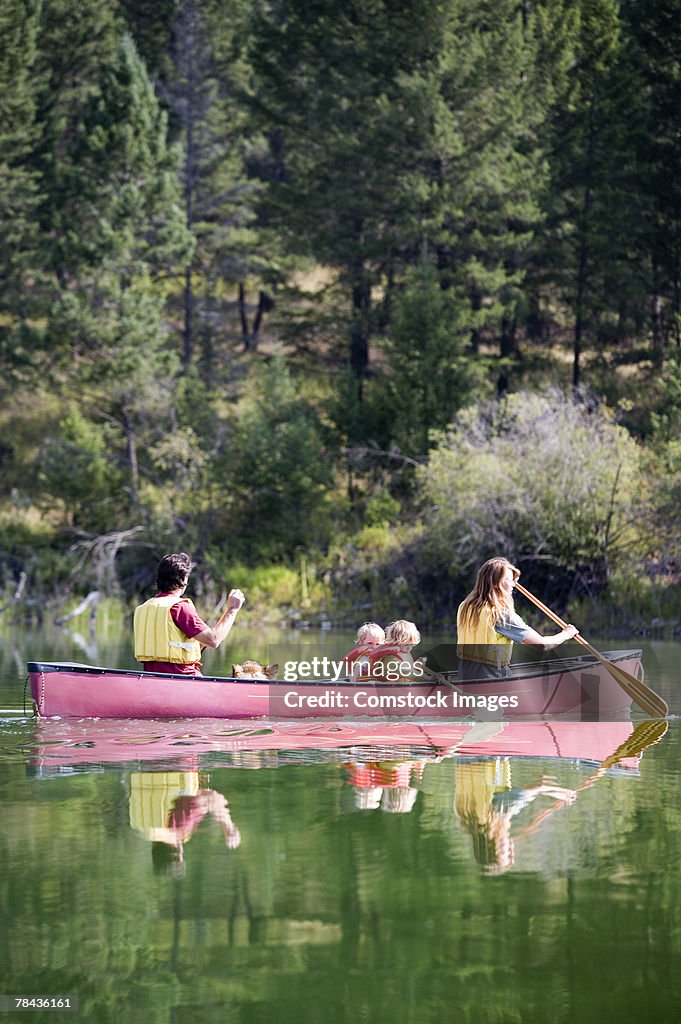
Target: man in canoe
487	624
169	632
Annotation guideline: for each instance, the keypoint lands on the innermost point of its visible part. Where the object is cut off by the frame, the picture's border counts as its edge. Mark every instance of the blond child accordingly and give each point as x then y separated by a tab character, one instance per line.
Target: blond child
369	636
392	660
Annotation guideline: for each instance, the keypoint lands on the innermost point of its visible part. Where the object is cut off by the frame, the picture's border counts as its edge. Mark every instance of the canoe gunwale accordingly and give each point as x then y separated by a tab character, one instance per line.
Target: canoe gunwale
520	671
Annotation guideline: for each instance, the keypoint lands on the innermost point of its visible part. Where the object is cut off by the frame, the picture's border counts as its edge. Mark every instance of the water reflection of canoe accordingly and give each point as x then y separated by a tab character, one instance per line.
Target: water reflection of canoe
211	743
579	687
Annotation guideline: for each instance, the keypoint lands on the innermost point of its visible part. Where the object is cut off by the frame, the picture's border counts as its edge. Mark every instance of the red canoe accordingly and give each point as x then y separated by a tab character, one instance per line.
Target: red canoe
579	688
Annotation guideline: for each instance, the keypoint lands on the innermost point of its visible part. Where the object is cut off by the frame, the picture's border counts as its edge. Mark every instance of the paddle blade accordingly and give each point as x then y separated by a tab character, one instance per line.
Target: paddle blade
647	699
644	735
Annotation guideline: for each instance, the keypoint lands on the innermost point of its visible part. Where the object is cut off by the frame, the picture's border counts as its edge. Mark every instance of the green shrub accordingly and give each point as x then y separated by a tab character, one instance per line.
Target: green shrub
374	540
280	468
31	545
266	583
548	481
381	509
268	588
75	467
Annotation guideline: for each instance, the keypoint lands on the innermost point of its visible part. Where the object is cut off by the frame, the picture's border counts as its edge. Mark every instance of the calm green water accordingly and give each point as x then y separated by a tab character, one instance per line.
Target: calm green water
440	892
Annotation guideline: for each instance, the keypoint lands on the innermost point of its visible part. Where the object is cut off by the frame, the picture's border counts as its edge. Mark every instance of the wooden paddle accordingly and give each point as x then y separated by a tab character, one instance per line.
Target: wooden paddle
644	735
440	678
641	694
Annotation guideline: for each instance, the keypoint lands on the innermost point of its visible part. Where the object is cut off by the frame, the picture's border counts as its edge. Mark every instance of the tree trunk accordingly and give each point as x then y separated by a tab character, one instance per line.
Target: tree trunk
359	337
131	442
583	258
656	319
265	304
243	317
577	340
507	348
476	306
187	333
189	165
207	351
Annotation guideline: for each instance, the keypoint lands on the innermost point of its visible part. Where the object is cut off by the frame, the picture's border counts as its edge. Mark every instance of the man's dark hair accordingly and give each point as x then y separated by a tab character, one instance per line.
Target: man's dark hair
173	572
167	859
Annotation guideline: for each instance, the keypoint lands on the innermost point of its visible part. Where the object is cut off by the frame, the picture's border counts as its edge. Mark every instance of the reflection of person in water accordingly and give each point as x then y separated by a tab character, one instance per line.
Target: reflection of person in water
486	803
385	784
168	807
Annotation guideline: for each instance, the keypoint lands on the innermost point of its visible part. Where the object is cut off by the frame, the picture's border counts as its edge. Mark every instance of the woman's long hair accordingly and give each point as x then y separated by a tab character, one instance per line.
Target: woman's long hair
486	597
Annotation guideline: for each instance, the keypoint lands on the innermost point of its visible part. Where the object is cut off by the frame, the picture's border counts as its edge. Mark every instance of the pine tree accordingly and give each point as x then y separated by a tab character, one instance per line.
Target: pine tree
150	23
390	127
341	98
497	71
123	199
281	468
655	50
592	216
19	184
63	53
122	231
203	95
74	43
432	372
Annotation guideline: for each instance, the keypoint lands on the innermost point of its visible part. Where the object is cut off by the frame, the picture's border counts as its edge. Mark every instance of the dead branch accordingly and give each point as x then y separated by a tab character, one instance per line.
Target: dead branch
91	602
394	453
17	595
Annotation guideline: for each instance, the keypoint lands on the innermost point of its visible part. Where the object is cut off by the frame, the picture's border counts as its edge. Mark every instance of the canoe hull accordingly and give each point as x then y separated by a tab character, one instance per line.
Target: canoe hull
579	688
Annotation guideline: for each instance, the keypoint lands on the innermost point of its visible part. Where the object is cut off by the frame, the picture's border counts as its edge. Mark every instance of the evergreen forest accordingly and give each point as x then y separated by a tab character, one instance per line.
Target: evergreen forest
343	299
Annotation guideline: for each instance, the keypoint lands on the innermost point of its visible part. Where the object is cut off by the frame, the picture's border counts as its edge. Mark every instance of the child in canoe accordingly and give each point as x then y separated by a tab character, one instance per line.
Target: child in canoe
393	659
369	637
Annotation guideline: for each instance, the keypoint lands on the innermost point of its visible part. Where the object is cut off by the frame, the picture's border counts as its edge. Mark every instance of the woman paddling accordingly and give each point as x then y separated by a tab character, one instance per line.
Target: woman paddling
487	624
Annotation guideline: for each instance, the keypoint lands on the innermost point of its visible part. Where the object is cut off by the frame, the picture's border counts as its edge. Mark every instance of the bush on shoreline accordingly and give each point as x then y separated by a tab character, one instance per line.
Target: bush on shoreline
554	483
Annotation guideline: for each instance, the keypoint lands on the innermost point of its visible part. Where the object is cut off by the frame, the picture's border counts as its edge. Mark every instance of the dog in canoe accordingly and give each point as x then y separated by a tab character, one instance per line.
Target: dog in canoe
254	670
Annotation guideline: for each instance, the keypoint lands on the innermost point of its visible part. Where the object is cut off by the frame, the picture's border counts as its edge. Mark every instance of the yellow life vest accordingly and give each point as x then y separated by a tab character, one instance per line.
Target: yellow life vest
480	642
153	796
476	784
157	638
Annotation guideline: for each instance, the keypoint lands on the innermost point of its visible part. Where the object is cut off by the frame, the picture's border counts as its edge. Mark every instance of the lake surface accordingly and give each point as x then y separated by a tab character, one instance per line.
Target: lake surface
231	872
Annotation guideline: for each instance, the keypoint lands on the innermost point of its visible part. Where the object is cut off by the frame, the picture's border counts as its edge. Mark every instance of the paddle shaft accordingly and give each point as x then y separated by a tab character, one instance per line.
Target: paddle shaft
558	621
480	713
646	698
